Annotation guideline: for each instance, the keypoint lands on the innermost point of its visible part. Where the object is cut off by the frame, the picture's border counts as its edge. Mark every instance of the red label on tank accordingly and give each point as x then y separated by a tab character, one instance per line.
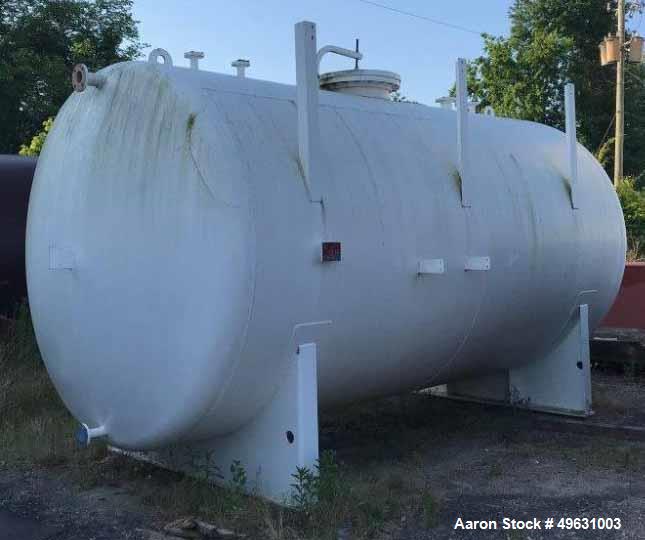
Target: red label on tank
331	251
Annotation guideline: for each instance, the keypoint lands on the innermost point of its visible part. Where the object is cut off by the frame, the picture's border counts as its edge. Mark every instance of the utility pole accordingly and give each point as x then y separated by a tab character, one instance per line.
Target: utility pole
615	50
620	95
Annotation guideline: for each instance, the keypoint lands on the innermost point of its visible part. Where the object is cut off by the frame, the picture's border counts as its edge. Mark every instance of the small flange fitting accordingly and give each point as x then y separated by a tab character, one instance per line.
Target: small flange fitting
240	65
194	57
83	77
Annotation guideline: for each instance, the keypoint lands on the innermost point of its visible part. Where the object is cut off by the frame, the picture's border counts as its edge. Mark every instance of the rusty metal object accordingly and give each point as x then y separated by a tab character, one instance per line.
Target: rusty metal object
16	175
628	310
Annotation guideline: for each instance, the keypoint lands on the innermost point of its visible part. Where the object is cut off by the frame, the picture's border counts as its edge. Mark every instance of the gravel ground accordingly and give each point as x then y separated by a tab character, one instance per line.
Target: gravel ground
41	505
481	463
536	475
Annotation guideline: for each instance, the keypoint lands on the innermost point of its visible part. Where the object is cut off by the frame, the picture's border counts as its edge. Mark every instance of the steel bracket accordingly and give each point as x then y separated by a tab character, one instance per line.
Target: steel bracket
559	382
61	258
307	91
481	264
269	449
572	141
463	134
431	266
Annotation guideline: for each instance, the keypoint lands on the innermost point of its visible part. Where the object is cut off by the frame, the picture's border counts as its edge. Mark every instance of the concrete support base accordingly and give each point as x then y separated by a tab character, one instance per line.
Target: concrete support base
261	457
558	383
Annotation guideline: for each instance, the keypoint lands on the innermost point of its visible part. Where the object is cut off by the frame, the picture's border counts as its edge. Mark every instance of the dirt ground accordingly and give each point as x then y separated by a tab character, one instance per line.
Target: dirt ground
475	462
39	505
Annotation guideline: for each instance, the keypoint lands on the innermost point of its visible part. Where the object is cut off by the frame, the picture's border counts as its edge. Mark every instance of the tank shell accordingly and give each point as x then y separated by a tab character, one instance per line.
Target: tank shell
16	175
196	249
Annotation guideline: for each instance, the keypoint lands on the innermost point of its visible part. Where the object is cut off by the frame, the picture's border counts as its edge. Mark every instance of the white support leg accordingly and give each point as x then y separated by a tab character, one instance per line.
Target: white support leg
462	132
283	437
558	383
572	140
307	90
561	382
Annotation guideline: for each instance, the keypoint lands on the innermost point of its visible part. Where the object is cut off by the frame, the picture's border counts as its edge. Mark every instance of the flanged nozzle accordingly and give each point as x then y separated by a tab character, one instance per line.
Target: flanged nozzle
240	65
194	57
83	77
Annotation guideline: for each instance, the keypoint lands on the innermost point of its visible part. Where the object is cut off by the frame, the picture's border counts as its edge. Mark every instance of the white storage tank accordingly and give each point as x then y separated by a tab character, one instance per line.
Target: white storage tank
173	251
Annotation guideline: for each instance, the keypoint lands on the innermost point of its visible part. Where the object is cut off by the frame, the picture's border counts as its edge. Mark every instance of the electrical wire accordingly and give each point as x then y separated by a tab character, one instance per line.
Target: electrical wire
422	17
604	137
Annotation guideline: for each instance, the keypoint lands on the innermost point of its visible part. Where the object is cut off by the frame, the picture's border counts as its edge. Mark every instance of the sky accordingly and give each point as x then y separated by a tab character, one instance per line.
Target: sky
422	52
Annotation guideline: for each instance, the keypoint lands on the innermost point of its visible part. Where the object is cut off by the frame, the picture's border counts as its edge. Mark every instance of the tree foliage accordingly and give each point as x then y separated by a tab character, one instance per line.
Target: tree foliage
633	203
552	42
37	141
40	41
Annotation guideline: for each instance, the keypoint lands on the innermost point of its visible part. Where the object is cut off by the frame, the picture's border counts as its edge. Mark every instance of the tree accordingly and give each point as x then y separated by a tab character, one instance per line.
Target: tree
633	203
552	42
37	141
40	41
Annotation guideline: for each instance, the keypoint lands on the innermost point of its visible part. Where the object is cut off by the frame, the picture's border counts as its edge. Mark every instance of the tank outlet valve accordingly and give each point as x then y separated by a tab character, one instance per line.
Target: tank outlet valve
85	434
83	77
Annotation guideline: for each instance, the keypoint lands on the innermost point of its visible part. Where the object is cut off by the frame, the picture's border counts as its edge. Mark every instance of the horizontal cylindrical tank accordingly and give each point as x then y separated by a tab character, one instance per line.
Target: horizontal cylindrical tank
174	253
16	175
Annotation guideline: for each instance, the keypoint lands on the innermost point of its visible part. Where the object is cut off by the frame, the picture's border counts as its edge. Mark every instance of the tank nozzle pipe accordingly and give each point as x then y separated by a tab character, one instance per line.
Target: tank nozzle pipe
337	50
83	77
240	65
446	102
85	434
194	57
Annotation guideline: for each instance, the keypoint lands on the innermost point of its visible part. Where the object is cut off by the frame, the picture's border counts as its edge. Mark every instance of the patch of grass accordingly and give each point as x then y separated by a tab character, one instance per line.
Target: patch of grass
189	496
363	504
37	431
33	421
495	470
430	508
515	535
35	427
586	454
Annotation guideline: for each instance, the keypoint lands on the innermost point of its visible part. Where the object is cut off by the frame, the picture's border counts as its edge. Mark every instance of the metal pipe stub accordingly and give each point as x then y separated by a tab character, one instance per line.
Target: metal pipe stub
83	77
85	434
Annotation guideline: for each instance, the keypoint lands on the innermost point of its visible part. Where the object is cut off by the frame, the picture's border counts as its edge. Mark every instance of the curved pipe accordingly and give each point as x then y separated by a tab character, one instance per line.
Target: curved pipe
337	50
155	54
